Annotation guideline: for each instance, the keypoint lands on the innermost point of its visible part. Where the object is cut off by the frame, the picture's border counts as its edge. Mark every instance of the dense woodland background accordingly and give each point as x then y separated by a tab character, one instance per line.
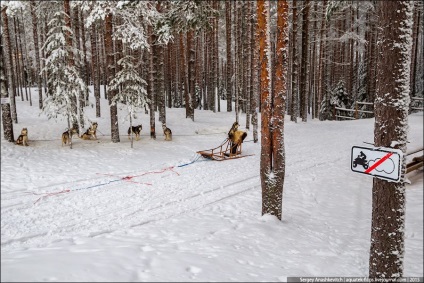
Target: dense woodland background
189	53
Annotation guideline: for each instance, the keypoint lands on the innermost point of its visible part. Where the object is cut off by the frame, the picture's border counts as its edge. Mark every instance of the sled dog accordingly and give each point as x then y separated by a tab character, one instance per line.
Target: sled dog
23	137
136	130
65	136
167	133
91	132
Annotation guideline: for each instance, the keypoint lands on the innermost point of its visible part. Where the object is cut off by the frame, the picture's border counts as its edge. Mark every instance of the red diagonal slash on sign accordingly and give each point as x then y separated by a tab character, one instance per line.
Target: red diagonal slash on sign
379	162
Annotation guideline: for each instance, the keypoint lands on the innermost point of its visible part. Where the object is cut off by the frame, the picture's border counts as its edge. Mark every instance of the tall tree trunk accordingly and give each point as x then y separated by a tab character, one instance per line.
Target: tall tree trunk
24	52
294	91
18	53
229	88
272	144
248	64
85	65
5	103
191	76
304	63
114	127
95	68
254	77
37	54
415	46
68	38
76	25
9	67
391	120
151	87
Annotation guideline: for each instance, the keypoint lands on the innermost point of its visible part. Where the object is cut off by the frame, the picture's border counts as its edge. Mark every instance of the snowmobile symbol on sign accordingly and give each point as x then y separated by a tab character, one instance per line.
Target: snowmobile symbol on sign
382	163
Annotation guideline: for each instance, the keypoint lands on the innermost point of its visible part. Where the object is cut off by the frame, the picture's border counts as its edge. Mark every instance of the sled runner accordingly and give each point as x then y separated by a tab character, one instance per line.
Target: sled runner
227	150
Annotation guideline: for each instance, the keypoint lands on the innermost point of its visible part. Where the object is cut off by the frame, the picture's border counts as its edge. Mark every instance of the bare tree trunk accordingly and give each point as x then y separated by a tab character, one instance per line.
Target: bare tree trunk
67	10
8	64
24	57
254	77
5	102
191	76
151	89
248	64
95	68
272	144
294	94
114	127
391	124
304	63
85	65
229	88
18	68
76	25
415	46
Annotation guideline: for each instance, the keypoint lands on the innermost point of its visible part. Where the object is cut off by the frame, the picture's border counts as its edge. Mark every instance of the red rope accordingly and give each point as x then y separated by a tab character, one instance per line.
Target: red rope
126	178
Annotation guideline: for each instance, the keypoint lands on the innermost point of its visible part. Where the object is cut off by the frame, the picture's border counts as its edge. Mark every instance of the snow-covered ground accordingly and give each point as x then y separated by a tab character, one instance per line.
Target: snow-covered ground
104	211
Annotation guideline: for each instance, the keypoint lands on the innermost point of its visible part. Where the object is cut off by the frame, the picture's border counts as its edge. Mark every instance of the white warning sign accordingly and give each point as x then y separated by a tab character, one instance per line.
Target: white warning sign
383	163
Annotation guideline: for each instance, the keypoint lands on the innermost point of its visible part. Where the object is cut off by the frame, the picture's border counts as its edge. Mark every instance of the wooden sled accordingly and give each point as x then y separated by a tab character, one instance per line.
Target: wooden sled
223	152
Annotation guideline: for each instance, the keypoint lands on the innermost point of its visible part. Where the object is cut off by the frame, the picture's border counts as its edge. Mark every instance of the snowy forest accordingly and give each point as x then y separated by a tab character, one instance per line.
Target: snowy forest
266	60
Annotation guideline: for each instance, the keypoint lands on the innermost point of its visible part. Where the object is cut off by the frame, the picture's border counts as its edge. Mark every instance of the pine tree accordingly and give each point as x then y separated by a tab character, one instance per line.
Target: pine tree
5	106
130	88
390	130
64	80
272	168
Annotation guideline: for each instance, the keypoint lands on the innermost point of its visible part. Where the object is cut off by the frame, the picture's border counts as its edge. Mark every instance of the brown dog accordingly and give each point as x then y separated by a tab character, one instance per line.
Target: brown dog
136	130
23	138
91	132
65	136
167	132
236	137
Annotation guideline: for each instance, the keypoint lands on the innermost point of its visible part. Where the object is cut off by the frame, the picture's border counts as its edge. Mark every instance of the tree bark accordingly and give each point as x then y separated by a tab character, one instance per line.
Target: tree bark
114	127
95	68
294	92
9	68
5	105
391	120
68	38
272	166
304	63
229	84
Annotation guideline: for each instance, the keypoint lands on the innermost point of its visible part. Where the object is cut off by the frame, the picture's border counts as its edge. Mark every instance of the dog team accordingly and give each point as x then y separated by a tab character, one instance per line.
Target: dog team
91	134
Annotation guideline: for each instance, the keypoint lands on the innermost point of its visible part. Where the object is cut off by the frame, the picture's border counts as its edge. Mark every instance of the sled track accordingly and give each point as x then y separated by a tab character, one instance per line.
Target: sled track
132	216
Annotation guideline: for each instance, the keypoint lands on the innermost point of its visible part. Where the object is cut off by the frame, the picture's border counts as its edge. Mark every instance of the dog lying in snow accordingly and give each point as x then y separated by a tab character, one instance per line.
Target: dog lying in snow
91	132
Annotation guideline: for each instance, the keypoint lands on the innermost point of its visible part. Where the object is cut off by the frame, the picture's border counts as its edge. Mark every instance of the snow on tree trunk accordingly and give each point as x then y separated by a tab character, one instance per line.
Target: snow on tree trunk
114	128
191	76
95	68
229	86
272	166
37	54
304	64
8	64
390	130
294	92
5	107
67	9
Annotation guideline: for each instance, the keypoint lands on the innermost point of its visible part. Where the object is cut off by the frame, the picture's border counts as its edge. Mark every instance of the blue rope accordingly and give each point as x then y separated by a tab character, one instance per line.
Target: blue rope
195	159
98	185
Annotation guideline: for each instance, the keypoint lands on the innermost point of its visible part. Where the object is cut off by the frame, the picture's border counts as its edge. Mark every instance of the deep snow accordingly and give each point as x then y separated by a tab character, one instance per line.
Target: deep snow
70	215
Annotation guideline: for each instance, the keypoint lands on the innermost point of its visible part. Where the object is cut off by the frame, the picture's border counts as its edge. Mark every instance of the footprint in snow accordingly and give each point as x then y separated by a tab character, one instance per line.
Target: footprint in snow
194	269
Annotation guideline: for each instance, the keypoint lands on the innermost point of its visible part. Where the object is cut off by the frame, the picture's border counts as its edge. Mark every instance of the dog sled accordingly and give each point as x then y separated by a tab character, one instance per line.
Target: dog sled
227	150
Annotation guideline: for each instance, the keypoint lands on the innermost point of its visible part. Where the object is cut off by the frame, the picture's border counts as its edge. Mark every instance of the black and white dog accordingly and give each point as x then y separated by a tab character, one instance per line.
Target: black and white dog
136	130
